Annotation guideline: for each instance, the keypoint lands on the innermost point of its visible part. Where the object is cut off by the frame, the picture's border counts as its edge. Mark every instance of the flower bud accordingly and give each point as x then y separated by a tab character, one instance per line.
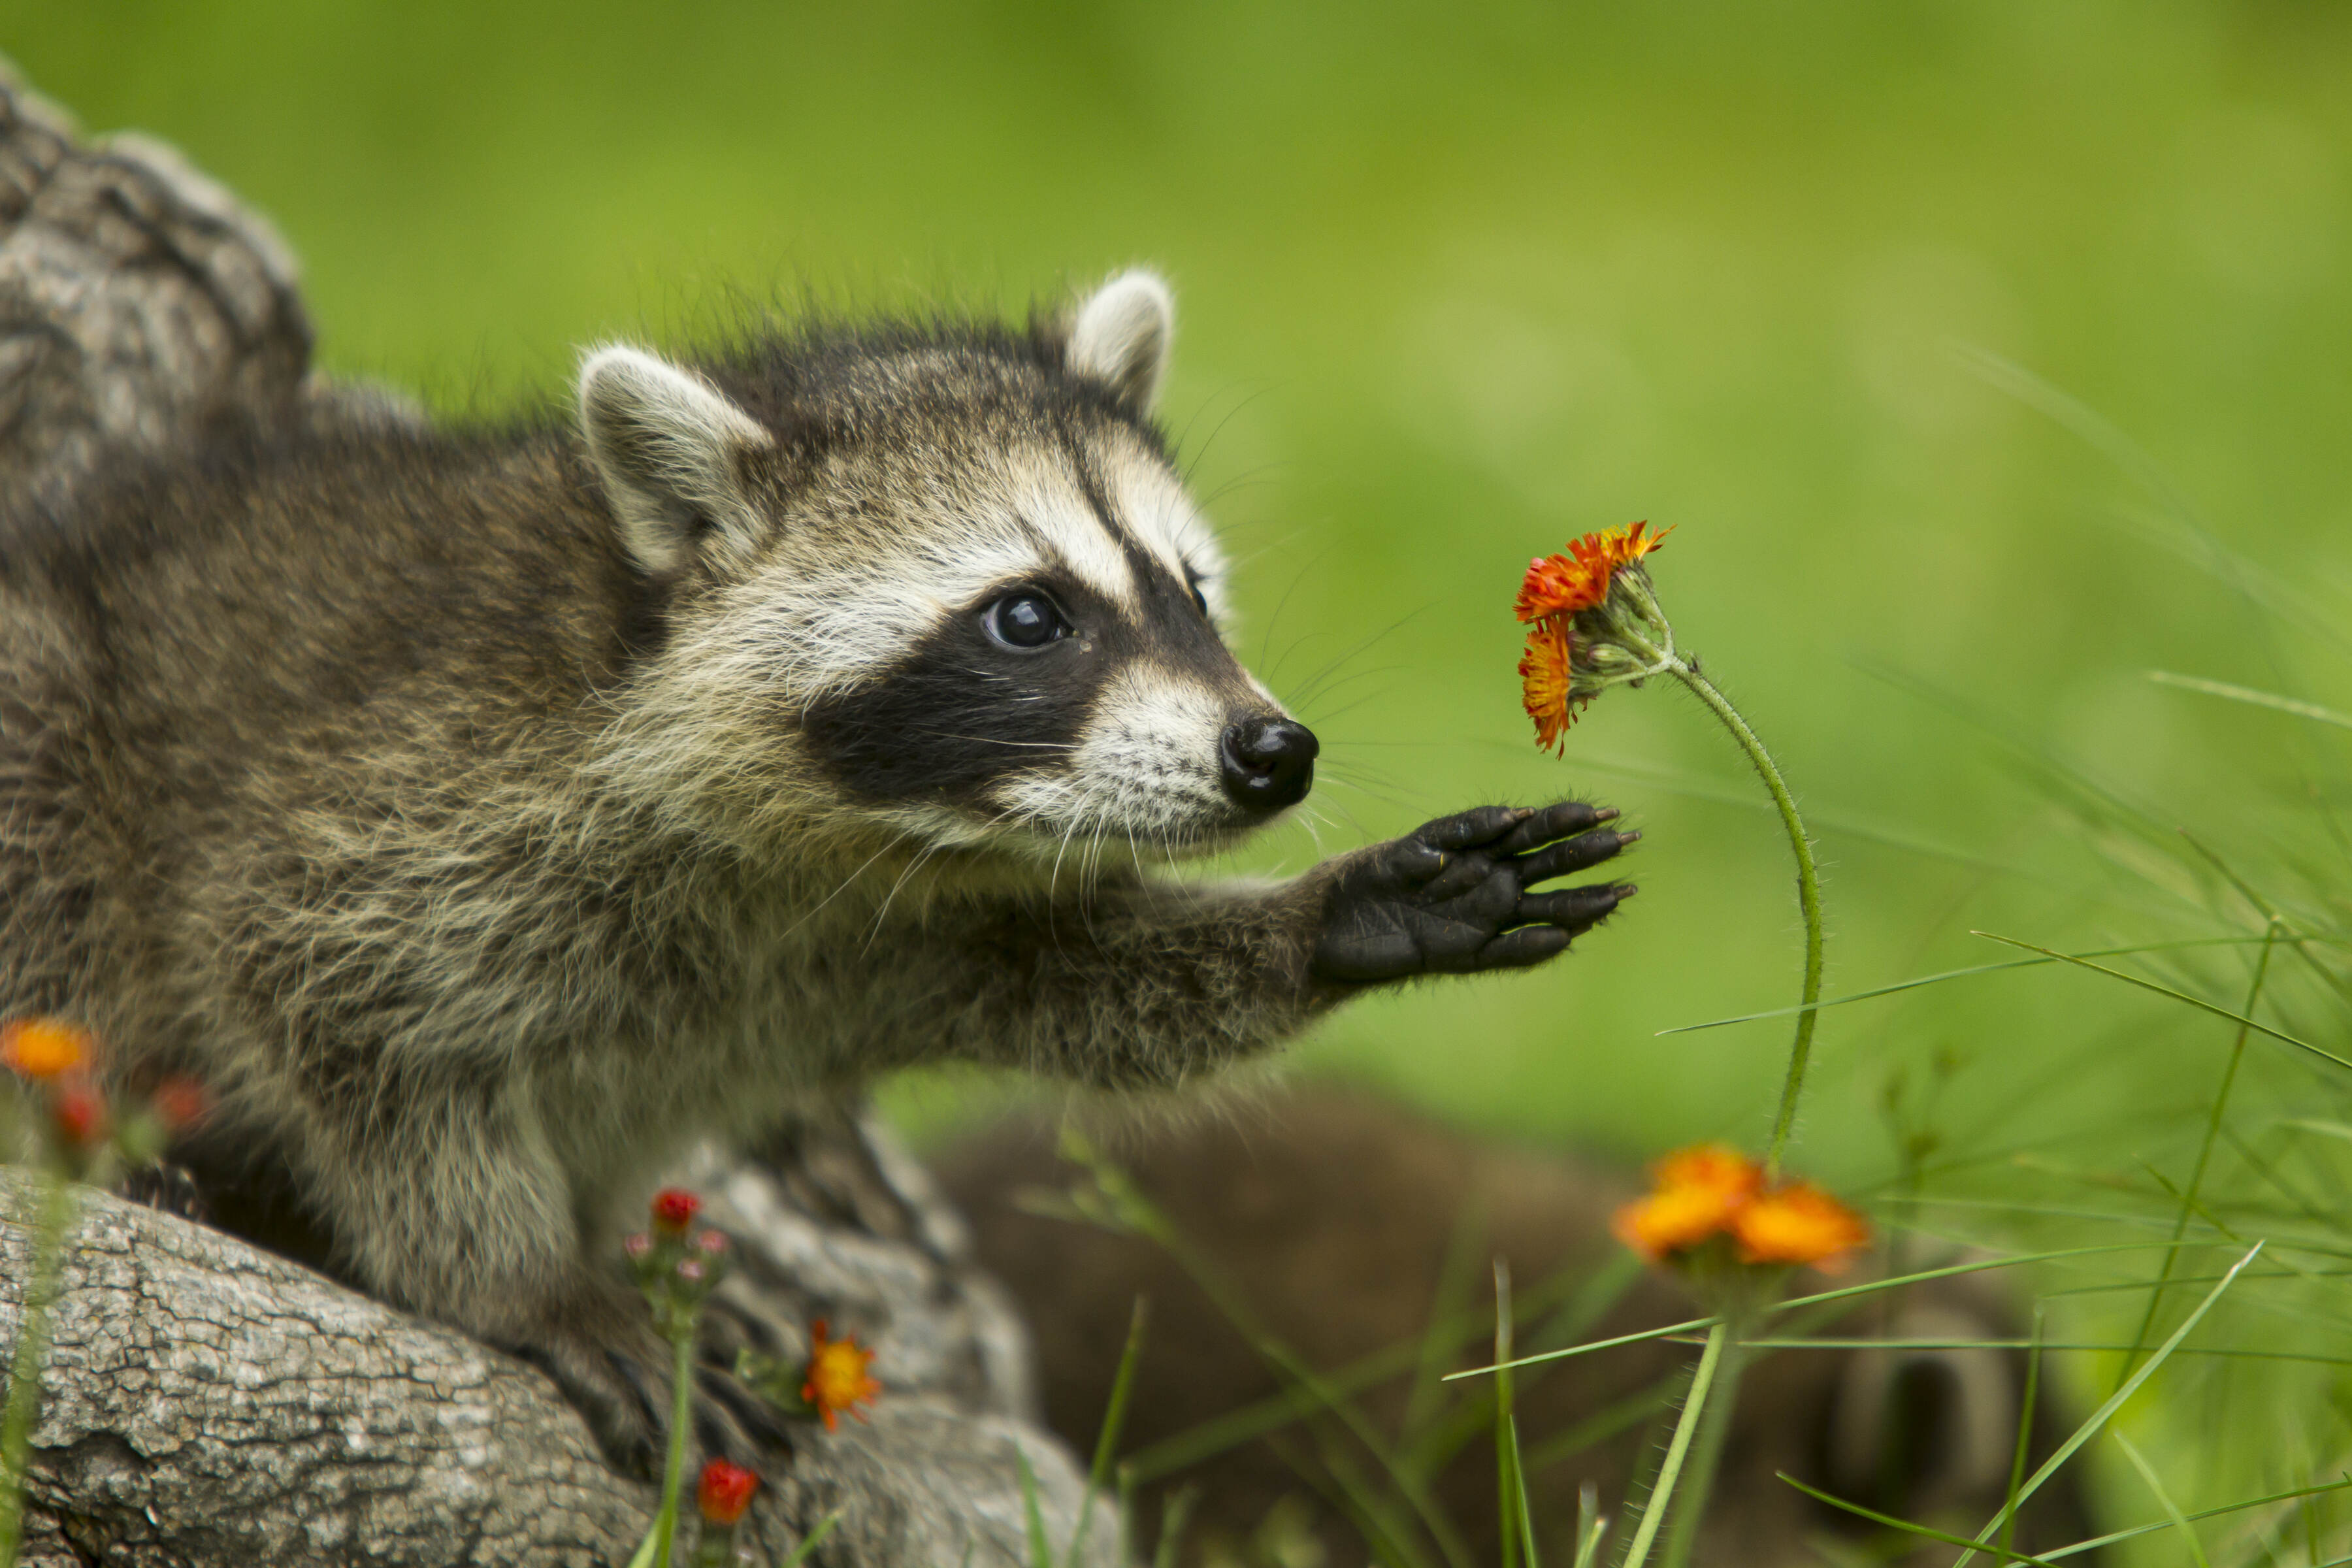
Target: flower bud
78	1111
674	1210
692	1270
180	1102
711	1244
725	1492
637	1246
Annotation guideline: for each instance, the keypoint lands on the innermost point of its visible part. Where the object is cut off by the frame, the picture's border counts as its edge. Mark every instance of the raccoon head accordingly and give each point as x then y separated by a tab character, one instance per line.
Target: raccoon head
946	580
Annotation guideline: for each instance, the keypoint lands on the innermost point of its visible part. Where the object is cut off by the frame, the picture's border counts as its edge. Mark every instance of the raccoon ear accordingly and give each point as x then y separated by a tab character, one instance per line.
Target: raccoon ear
670	450
1122	332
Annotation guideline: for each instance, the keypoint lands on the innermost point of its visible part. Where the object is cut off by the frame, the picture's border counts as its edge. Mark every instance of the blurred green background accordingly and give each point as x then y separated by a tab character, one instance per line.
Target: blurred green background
1456	283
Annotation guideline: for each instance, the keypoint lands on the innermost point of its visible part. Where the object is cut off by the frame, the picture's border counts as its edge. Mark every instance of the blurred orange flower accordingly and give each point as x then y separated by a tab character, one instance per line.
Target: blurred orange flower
1698	1194
1713	1190
837	1379
1799	1224
42	1049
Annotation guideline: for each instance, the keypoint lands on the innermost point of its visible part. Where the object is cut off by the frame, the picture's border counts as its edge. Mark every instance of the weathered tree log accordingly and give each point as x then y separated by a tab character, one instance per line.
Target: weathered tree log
210	1404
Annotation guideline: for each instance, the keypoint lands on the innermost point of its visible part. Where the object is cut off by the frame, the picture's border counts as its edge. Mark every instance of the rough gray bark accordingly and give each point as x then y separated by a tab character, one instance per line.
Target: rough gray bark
209	1403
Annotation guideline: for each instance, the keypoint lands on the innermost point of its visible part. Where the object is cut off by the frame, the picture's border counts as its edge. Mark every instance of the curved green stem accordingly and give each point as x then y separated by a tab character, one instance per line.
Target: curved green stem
1809	896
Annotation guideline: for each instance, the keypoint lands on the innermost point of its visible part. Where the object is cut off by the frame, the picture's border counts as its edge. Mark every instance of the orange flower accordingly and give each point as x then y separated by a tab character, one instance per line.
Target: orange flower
1587	629
837	1379
1799	1224
1544	678
1563	584
43	1048
1700	1190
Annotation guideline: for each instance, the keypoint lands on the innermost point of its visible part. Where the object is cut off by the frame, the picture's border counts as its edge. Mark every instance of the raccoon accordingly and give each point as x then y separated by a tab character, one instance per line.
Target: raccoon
1331	1218
483	811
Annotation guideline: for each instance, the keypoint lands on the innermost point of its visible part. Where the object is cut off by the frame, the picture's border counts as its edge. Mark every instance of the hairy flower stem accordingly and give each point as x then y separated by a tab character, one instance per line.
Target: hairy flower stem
1809	895
55	1196
1706	1447
681	1409
1695	1407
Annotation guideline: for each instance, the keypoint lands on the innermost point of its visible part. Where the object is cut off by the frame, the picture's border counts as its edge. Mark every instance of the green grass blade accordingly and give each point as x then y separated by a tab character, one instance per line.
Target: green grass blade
2106	1413
2024	1450
1098	1478
2247	694
1653	1511
1969	973
1526	1513
2197	1001
813	1539
1538	1360
1904	1525
2096	1542
1507	1445
2164	1500
1040	1552
1592	1529
1173	1516
2188	1195
1456	1277
1842	1293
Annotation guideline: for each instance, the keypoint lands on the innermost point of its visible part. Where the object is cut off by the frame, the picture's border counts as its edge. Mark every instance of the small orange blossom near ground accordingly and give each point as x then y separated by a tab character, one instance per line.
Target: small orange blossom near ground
837	1379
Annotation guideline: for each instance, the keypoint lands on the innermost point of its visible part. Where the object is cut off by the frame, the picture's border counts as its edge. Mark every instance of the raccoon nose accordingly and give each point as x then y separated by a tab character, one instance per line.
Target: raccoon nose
1268	762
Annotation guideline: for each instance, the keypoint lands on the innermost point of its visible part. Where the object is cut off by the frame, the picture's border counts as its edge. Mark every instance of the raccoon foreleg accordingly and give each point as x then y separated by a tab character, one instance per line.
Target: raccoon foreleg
1148	984
454	1208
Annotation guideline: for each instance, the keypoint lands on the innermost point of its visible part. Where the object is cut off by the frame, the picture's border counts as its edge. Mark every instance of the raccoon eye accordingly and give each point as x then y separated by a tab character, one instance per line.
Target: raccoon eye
1025	621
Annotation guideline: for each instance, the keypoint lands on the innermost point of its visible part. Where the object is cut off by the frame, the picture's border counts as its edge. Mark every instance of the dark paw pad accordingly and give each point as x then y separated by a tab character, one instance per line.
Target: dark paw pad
1451	896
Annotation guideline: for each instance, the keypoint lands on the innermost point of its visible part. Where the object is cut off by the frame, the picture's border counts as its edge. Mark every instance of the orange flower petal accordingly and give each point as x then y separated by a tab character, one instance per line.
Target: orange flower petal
1673	1219
836	1377
1799	1224
44	1047
1543	680
1562	584
1718	1167
1624	546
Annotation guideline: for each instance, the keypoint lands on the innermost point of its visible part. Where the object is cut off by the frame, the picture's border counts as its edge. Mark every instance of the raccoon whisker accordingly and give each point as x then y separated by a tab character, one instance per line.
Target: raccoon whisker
1266	644
874	932
998	740
1306	690
1224	419
845	881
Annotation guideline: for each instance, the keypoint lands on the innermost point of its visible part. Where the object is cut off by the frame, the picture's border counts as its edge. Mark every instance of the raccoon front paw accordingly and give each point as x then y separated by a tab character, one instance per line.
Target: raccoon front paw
622	1383
1450	897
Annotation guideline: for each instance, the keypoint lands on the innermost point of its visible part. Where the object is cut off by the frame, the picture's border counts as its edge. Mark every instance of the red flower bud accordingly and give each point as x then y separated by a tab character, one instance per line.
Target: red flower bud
180	1102
726	1491
674	1210
79	1112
